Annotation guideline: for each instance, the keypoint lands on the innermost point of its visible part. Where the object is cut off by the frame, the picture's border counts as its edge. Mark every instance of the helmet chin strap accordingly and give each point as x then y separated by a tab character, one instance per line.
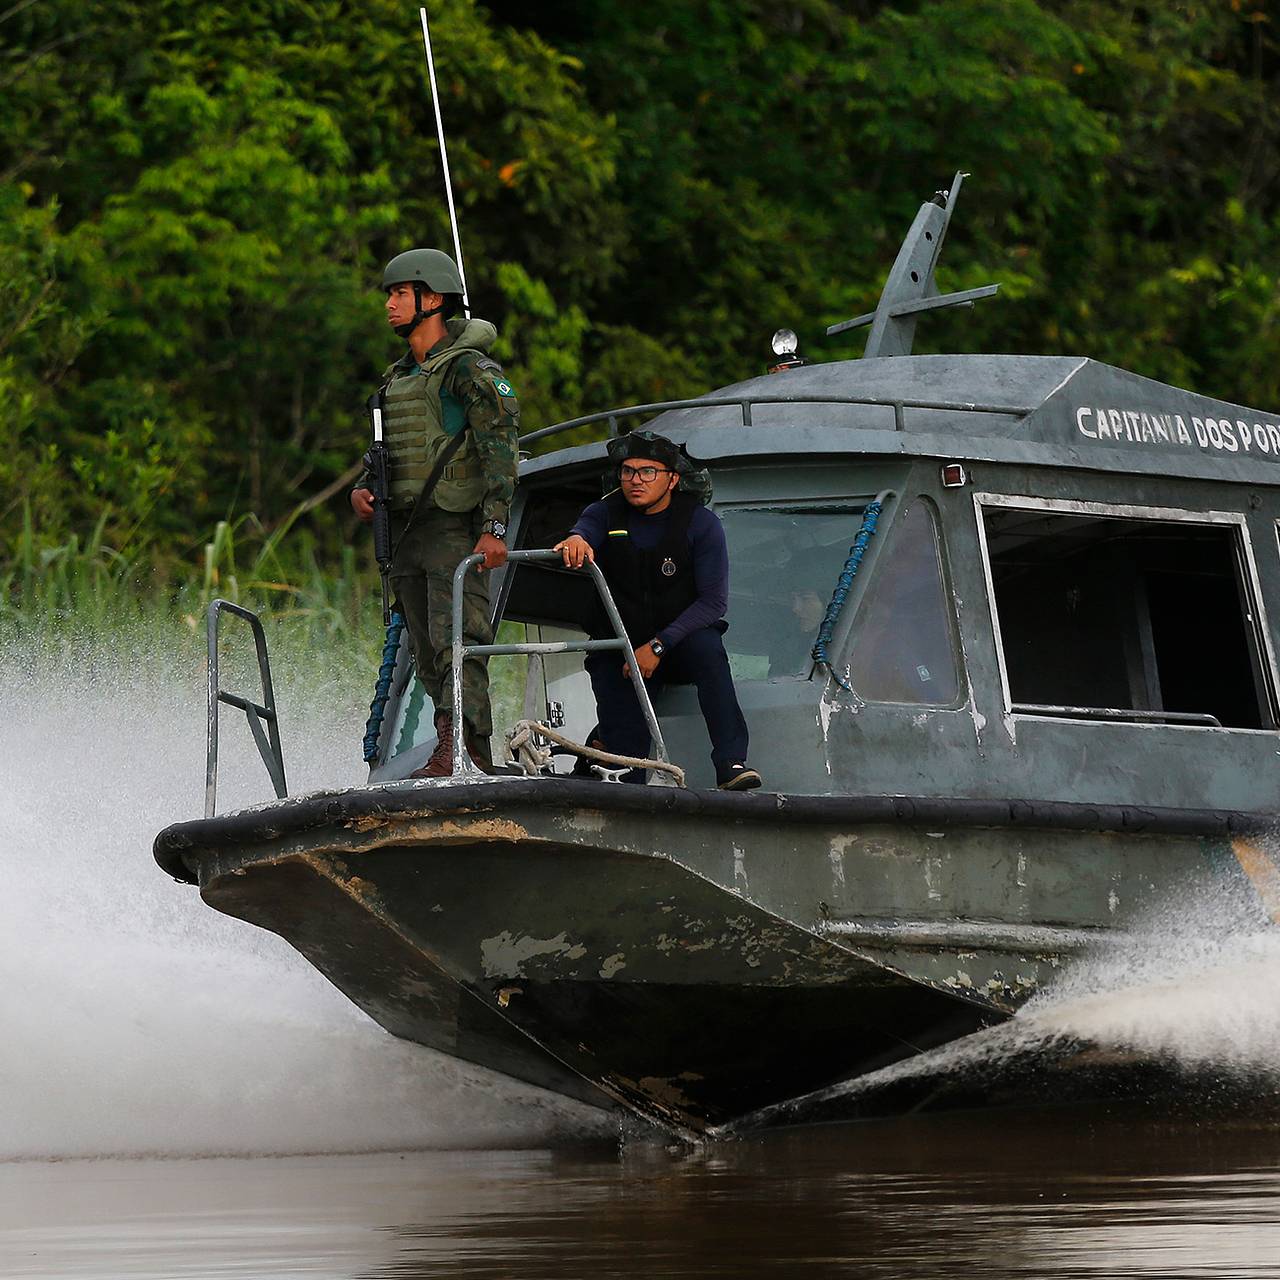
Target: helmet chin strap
404	330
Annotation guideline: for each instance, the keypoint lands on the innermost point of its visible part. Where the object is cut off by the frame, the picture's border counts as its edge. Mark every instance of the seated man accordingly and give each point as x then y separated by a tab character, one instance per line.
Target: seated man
663	555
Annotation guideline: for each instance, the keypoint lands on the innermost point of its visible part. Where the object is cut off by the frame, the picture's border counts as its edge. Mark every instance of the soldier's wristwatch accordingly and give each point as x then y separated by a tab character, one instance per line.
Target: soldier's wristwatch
657	648
495	527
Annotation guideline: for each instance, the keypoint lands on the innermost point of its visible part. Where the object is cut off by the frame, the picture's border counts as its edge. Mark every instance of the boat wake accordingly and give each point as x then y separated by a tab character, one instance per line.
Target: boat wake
137	1021
1188	1009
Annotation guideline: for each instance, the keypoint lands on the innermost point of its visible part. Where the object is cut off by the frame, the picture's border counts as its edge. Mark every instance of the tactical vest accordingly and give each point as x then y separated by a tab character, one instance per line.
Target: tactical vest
652	586
420	417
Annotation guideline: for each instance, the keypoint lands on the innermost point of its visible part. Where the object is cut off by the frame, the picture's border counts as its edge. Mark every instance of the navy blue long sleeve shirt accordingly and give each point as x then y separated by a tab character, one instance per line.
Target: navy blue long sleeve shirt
706	545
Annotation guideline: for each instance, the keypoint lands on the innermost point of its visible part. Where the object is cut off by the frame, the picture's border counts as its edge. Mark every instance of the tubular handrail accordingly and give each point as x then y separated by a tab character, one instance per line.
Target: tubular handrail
746	403
462	763
1125	714
268	740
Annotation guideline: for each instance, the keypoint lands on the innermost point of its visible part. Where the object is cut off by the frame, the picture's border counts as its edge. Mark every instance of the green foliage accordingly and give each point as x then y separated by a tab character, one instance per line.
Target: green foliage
775	156
215	188
195	203
55	598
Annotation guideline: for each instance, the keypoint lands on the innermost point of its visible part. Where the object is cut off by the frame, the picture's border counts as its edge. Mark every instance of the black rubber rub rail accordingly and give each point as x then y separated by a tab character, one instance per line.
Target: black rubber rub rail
178	846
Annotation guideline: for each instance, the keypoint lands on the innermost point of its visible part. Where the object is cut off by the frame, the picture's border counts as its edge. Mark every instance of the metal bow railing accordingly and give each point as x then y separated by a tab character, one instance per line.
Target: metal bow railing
257	713
462	763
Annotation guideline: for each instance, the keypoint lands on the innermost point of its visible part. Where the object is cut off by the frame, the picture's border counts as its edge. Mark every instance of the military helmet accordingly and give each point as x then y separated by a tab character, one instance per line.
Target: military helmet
436	270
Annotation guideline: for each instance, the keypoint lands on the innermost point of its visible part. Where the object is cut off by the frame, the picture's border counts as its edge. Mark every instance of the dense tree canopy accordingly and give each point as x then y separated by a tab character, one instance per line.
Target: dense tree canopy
195	202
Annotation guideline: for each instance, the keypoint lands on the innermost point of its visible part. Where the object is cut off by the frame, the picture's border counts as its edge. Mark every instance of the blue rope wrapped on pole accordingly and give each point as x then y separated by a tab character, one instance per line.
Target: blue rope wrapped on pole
870	517
382	690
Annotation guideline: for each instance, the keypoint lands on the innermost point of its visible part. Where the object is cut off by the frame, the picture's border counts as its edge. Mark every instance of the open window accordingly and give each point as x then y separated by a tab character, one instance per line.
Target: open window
1105	615
547	593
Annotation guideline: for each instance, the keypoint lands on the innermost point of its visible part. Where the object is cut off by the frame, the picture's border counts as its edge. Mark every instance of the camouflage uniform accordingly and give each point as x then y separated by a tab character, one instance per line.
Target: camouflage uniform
426	555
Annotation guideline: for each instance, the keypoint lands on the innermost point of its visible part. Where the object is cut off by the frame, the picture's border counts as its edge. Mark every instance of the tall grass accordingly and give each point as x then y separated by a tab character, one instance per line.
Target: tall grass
86	602
85	593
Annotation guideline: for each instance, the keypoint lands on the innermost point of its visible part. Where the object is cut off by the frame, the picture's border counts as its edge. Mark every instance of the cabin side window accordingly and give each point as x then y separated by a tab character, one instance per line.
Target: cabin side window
1109	617
783	566
903	649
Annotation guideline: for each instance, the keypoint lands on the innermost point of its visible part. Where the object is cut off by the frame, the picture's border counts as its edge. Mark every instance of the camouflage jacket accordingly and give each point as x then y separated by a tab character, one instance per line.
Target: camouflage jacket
493	417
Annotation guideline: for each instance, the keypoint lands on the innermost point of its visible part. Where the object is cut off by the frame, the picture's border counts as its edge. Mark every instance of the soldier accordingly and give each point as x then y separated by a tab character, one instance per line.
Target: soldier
445	400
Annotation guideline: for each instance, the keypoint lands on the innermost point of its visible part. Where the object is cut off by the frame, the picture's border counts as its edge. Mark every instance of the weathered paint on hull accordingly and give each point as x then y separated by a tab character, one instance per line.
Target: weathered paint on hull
692	960
692	1014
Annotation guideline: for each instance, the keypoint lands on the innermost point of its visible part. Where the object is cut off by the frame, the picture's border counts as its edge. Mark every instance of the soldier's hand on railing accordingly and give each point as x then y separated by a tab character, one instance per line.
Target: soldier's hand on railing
494	551
362	503
575	550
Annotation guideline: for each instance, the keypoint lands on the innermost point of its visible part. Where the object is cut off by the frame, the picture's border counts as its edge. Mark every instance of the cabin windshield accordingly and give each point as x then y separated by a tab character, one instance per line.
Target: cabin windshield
783	566
1141	619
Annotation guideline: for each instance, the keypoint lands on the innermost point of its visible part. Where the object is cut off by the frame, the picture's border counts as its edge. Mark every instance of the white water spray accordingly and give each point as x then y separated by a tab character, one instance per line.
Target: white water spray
1199	986
133	1019
1196	990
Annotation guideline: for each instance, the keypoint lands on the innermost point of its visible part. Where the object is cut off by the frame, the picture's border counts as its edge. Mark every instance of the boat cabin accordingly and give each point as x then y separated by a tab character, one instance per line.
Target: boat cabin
1065	596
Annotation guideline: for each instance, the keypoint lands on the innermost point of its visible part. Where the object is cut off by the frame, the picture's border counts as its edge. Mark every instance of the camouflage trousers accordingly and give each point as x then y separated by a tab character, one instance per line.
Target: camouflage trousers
422	578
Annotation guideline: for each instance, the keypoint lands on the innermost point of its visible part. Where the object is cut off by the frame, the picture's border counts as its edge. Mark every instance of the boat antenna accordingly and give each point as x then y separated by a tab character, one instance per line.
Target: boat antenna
910	292
444	157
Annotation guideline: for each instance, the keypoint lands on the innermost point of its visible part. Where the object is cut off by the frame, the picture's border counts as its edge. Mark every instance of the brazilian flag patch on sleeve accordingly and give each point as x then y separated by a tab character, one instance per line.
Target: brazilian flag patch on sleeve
503	387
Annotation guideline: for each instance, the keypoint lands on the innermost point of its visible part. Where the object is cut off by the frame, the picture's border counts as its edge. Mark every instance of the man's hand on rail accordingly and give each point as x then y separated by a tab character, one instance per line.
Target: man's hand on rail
646	660
575	550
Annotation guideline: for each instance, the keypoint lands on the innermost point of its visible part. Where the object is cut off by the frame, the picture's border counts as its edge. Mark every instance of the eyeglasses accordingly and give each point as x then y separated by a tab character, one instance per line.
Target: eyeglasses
647	474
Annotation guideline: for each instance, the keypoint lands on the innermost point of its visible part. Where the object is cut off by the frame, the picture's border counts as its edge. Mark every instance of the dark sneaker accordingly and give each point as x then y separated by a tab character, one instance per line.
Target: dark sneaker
737	777
582	766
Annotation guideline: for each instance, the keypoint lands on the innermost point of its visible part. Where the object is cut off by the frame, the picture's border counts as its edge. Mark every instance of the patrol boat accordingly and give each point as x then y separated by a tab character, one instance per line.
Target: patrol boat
1001	627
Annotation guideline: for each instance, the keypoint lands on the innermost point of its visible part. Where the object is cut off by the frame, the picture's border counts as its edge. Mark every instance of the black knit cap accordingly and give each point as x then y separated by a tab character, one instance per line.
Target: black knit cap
644	444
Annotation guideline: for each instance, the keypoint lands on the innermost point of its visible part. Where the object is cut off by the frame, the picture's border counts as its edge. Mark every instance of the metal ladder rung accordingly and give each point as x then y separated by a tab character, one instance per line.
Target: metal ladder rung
266	739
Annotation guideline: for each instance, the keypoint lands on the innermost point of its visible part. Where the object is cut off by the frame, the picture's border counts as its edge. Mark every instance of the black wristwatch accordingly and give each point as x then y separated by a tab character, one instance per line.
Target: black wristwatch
495	527
656	647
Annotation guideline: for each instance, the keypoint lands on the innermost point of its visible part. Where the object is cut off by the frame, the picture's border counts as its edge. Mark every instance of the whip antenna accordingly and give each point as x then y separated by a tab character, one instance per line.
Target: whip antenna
444	157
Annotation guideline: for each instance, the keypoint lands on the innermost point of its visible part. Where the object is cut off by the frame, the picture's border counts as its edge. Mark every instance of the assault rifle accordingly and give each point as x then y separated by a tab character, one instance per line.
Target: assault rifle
378	464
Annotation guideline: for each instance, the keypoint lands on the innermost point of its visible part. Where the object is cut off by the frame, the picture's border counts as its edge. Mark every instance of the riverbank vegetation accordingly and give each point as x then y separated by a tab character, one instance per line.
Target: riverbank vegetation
195	202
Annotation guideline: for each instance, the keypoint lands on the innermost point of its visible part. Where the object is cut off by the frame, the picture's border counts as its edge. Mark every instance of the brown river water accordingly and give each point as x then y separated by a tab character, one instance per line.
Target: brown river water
180	1096
1035	1195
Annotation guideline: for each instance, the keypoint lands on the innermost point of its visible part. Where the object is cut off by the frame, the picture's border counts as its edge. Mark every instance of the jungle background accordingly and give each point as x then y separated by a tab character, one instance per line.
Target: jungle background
196	202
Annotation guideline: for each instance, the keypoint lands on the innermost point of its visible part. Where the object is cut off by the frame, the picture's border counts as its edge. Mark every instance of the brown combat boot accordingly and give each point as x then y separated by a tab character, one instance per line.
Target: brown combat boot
440	762
479	750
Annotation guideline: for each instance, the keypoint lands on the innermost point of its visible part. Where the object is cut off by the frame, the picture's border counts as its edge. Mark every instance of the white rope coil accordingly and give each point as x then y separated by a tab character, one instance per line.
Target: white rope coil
524	747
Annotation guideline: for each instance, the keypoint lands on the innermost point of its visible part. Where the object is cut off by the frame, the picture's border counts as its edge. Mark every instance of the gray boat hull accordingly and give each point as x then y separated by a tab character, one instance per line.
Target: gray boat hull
689	957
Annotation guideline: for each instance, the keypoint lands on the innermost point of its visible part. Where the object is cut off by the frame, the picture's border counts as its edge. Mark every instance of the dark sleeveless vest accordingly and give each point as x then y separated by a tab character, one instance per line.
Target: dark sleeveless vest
650	587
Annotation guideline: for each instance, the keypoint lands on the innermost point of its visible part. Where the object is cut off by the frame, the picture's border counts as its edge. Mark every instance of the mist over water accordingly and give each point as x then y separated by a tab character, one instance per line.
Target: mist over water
1197	987
135	1019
